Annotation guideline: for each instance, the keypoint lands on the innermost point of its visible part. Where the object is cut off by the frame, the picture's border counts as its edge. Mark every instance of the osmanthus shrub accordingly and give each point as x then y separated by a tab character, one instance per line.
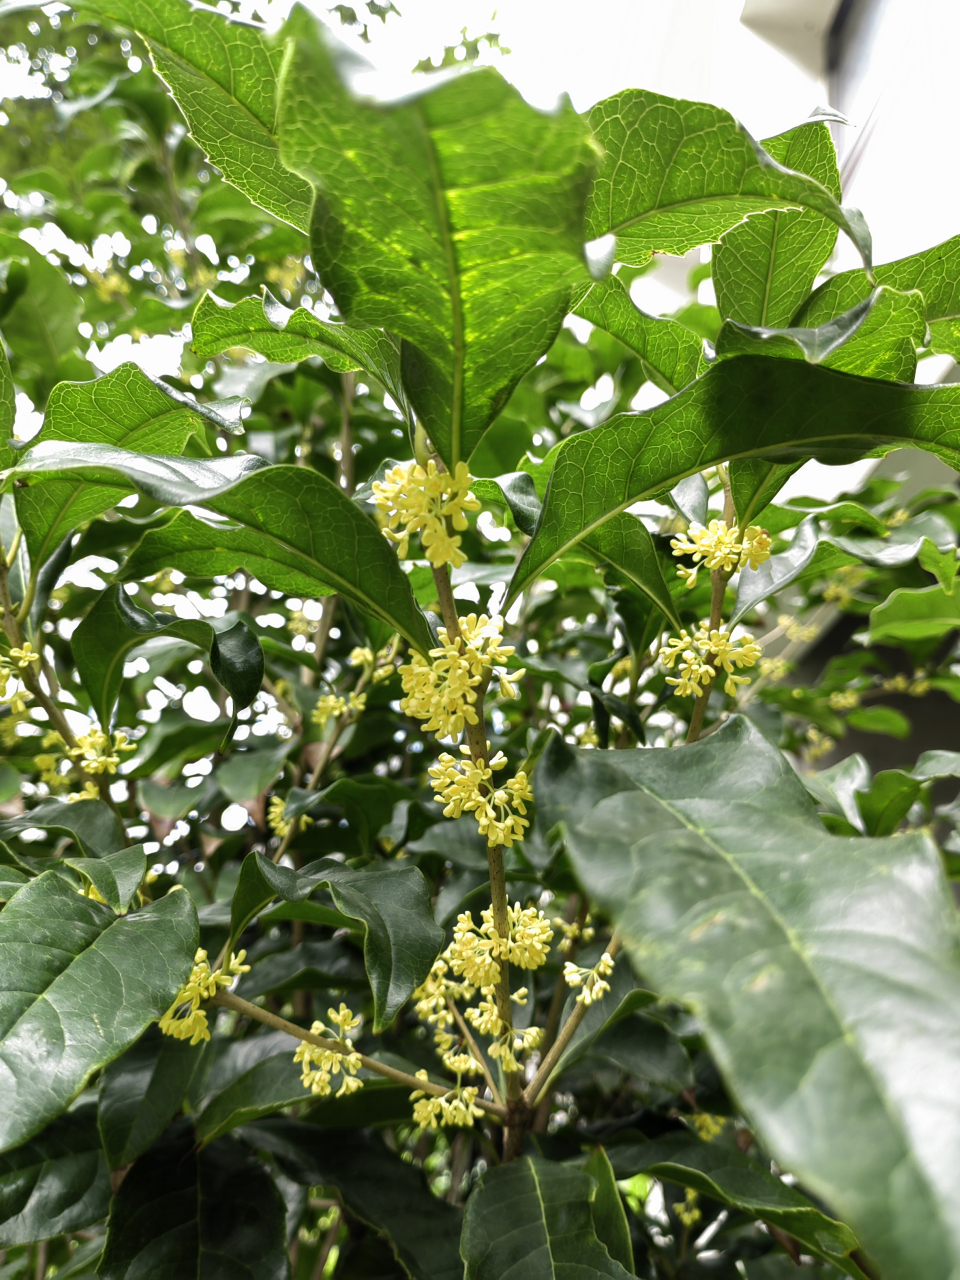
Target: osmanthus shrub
419	867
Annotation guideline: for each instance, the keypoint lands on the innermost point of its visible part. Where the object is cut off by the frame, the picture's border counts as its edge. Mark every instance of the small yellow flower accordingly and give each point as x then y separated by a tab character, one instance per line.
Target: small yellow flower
329	707
25	657
185	1020
457	1108
97	752
426	501
707	1126
468	787
687	1210
795	630
593	982
843	700
90	792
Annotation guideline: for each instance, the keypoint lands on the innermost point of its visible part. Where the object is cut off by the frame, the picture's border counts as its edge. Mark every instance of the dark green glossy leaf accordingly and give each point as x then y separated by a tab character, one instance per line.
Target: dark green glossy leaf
91	823
125	409
211	1213
310	965
115	625
141	1092
457	226
670	354
57	1182
785	409
292	518
115	876
533	1219
223	76
934	272
731	898
82	982
285	336
914	615
765	268
647	1050
392	902
886	804
878	338
721	1172
247	774
40	322
609	1218
376	1186
678	174
251	1079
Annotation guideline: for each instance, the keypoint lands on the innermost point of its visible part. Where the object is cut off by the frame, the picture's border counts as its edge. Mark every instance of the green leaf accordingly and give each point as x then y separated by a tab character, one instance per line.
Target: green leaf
733	900
748	407
878	338
670	354
286	336
609	1218
368	803
293	519
223	76
253	1077
624	545
116	876
247	774
647	1050
115	625
376	1186
534	1219
935	273
208	1212
141	1092
888	801
391	901
457	225
8	410
55	1183
126	409
880	720
310	965
942	564
914	615
678	174
721	1172
40	323
91	823
82	982
764	268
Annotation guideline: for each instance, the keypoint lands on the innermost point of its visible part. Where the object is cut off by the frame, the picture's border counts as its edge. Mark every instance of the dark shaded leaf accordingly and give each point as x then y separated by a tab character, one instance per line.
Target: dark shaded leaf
141	1092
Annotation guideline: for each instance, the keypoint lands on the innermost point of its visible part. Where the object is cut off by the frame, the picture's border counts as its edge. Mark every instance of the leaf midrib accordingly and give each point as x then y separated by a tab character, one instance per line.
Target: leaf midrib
718	199
793	941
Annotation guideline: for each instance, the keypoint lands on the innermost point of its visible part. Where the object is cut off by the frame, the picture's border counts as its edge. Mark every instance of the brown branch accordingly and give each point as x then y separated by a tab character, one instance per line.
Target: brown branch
229	1001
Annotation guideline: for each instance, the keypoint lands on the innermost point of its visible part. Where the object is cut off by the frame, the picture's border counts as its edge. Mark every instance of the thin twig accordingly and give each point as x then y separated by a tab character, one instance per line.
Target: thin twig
229	1001
531	1094
475	1050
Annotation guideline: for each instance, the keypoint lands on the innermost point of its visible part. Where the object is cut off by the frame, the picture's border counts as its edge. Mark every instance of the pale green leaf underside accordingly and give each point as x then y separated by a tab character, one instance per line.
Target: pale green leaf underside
678	174
732	899
764	268
223	76
743	408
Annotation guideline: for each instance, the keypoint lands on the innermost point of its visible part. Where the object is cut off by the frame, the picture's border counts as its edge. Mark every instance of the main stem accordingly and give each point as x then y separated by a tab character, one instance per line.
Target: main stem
476	736
718	584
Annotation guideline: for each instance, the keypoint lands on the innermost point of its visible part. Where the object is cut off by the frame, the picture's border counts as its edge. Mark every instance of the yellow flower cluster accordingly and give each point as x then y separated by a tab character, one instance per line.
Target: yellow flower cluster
842	589
795	630
917	687
718	547
707	1126
185	1020
687	1210
442	691
593	982
428	502
89	791
774	668
11	665
573	933
97	752
455	1109
818	744
843	700
512	1042
702	655
319	1065
330	706
467	786
280	825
